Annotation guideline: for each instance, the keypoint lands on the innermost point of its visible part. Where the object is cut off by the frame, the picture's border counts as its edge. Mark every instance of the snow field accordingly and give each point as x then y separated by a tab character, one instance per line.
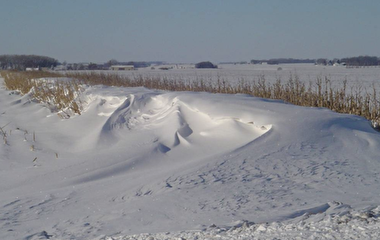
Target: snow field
234	73
330	228
316	223
184	164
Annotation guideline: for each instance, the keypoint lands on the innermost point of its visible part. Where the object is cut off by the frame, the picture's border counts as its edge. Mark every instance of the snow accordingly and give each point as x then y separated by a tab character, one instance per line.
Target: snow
350	225
306	72
147	164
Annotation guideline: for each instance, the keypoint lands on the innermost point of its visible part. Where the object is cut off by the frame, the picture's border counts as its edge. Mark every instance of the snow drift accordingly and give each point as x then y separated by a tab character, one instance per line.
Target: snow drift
143	161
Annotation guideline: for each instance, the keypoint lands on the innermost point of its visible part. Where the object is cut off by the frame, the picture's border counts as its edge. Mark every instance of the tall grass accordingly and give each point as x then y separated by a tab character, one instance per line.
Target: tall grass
318	93
60	95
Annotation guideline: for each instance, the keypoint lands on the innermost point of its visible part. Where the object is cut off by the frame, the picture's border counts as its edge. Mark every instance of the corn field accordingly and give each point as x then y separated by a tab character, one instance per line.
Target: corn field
318	93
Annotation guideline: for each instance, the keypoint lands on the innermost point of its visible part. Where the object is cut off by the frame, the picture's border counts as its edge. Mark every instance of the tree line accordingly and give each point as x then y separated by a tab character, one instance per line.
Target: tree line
351	61
362	61
282	61
21	62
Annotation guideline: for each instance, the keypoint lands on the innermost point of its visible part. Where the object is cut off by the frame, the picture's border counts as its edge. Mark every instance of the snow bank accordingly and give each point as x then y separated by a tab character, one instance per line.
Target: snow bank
179	125
143	161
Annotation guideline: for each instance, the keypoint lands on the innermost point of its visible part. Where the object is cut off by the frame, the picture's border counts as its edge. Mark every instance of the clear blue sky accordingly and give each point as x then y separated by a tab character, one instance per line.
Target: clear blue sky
189	30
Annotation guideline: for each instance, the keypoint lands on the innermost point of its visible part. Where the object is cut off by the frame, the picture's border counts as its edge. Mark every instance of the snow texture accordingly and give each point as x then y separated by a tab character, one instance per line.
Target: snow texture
324	225
185	165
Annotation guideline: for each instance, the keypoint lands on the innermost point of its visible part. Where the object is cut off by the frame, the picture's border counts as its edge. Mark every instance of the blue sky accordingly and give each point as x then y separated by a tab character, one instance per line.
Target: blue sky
189	31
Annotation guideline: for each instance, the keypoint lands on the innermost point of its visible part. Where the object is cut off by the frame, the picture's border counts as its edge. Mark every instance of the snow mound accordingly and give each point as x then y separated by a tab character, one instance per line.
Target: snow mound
143	161
180	126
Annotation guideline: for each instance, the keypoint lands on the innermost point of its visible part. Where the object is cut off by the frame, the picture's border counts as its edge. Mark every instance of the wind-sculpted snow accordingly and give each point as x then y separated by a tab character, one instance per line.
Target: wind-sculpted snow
316	223
142	161
179	126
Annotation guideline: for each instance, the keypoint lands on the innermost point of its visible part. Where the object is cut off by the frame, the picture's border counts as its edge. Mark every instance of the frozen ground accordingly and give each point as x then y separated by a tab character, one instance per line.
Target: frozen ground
181	164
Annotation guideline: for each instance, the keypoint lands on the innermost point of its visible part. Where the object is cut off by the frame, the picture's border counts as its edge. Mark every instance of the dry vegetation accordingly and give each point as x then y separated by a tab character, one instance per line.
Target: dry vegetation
319	93
60	95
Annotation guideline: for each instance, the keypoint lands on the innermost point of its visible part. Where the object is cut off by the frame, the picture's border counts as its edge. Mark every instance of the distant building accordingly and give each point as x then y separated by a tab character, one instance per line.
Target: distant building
32	69
122	67
60	68
164	68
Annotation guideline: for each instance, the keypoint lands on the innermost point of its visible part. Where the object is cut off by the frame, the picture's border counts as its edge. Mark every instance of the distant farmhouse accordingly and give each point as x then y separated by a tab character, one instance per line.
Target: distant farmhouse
122	67
32	69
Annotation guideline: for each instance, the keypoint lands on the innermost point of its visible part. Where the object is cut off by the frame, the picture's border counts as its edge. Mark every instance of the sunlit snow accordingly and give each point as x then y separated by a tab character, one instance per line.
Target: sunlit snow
184	164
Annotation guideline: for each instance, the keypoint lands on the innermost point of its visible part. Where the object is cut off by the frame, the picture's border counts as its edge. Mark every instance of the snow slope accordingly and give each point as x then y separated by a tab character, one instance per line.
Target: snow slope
143	161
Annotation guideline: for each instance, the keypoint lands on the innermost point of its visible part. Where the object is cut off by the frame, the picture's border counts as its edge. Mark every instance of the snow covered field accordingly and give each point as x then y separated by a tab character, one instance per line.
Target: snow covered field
185	165
233	73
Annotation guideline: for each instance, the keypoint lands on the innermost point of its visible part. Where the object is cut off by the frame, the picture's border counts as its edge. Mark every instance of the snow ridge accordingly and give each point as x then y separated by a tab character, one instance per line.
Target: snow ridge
143	161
